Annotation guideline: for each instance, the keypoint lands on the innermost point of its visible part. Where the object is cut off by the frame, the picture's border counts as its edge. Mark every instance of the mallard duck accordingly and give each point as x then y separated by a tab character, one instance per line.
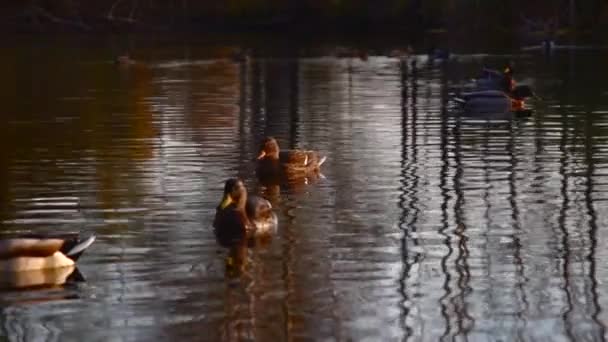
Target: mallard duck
274	163
401	53
239	215
438	54
124	61
547	46
38	252
495	101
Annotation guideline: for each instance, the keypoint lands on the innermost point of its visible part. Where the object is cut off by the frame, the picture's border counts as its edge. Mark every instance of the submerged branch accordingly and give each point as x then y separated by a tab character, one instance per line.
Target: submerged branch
37	11
130	19
110	14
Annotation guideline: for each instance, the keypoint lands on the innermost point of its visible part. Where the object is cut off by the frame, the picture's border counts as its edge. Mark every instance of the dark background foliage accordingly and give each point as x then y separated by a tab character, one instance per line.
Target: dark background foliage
532	16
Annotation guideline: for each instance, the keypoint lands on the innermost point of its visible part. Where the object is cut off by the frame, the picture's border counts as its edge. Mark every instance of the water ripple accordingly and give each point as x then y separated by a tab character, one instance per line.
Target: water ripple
427	225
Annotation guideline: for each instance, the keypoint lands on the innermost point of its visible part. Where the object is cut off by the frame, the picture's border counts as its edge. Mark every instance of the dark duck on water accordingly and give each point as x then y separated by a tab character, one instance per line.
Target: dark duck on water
495	92
240	216
495	101
291	164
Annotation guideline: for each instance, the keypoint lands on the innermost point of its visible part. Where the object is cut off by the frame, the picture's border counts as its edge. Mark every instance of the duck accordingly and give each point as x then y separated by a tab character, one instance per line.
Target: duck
495	101
292	164
438	54
40	252
547	46
124	61
240	216
401	53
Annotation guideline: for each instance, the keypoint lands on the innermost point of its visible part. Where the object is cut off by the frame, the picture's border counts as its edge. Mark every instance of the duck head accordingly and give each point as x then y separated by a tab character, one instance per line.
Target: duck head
235	193
508	82
269	148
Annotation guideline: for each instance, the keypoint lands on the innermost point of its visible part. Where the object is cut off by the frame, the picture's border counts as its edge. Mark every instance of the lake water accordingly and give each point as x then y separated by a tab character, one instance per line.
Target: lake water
427	226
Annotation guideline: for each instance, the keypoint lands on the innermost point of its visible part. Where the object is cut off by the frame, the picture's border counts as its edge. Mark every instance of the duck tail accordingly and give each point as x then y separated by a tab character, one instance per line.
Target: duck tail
322	160
75	247
75	277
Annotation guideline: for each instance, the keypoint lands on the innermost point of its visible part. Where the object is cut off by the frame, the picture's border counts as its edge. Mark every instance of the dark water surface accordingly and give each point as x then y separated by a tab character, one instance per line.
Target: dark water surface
428	225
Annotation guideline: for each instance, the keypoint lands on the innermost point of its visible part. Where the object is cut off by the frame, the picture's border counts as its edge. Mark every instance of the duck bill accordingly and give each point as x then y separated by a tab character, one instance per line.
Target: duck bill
226	201
517	105
261	155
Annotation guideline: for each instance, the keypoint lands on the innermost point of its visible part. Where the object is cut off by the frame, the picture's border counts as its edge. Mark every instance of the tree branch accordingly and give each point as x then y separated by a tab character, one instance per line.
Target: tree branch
110	14
41	12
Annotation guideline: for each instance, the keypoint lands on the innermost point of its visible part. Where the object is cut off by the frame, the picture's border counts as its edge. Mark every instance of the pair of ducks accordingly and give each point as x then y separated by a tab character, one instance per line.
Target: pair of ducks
495	91
240	216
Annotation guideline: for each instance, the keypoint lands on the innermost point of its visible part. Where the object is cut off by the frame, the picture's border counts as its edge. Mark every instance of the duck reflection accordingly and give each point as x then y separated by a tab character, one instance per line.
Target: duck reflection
270	187
236	261
242	221
241	216
42	278
495	104
238	256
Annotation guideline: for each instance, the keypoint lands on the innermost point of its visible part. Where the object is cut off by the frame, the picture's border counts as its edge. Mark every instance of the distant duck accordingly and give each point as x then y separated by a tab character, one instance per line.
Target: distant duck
547	46
290	164
401	53
439	54
124	60
240	216
342	52
495	101
38	252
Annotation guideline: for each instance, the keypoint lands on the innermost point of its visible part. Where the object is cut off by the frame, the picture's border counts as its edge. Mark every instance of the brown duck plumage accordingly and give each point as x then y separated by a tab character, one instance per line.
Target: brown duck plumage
35	252
240	216
274	163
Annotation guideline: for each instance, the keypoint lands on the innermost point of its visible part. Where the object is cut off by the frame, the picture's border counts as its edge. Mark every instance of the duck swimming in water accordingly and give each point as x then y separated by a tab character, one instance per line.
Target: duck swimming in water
438	54
291	164
240	216
495	101
124	61
39	252
547	46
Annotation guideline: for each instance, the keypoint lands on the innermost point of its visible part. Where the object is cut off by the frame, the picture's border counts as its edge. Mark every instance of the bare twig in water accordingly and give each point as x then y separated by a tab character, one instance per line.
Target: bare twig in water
133	8
41	12
130	19
110	14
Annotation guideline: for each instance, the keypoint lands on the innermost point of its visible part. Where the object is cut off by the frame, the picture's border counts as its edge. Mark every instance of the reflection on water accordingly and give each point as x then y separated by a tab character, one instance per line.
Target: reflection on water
40	278
427	226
